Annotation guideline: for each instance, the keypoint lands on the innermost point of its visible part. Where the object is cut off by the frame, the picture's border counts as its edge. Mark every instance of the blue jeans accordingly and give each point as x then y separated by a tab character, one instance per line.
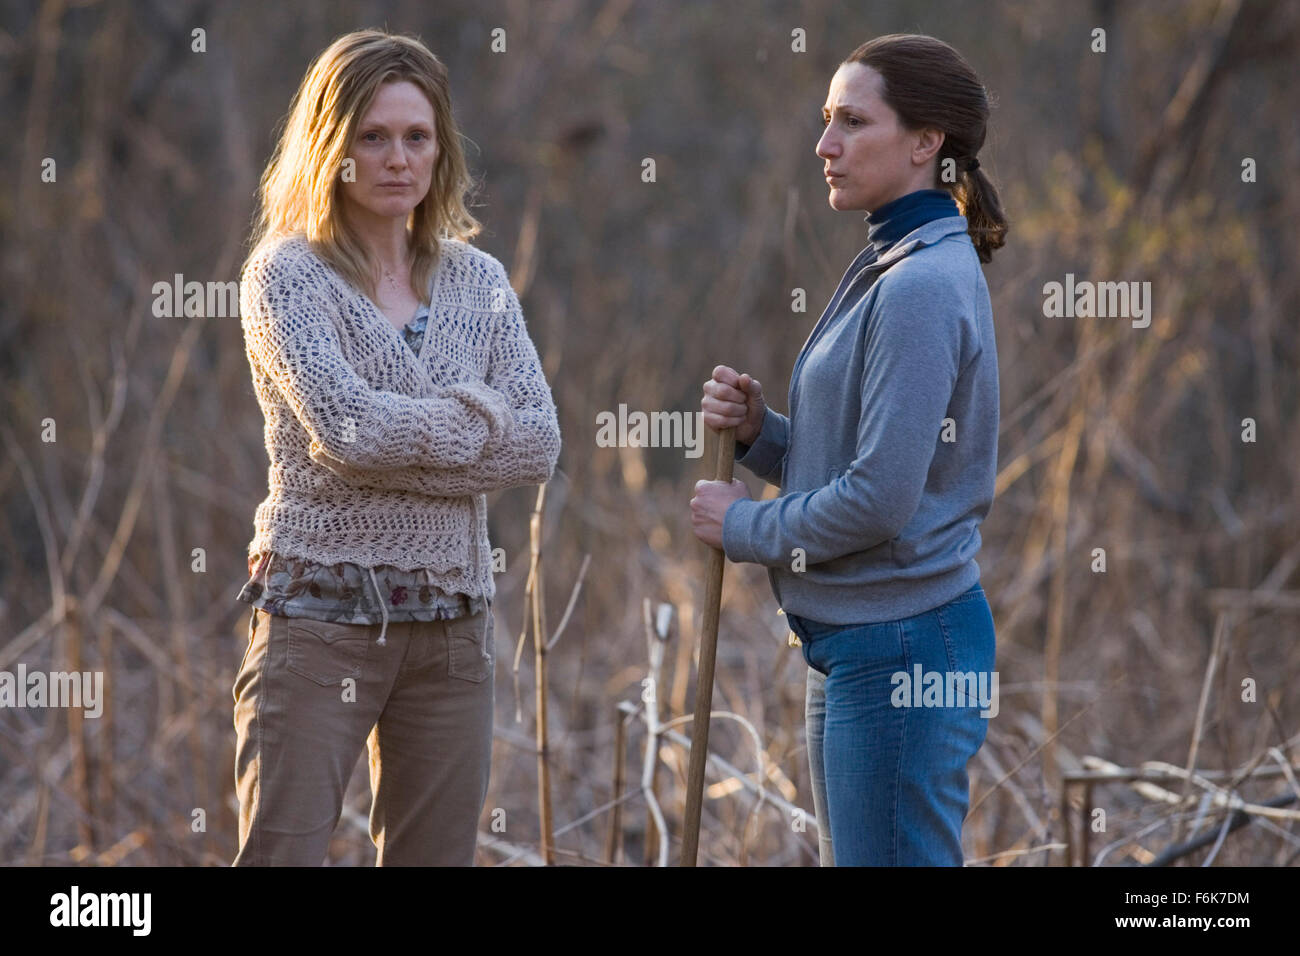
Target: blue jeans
893	714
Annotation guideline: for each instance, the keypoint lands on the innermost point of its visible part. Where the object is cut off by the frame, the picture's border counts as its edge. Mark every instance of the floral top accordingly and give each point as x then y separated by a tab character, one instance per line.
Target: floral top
347	593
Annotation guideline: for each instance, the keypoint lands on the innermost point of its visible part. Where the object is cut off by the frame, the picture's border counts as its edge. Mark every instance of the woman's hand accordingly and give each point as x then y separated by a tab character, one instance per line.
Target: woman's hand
709	506
734	400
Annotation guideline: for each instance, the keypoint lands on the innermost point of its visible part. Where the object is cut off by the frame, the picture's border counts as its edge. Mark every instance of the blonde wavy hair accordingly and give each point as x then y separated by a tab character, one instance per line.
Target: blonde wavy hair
300	187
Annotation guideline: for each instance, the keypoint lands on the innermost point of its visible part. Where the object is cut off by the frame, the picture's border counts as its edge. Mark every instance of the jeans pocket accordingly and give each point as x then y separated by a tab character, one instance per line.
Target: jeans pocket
470	646
970	640
325	652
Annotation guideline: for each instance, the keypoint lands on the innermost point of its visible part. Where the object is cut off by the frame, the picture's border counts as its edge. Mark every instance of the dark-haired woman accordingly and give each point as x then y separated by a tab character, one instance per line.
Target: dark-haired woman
886	463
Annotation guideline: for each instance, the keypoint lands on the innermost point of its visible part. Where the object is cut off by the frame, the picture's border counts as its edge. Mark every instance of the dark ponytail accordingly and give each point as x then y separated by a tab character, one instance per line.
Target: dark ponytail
928	83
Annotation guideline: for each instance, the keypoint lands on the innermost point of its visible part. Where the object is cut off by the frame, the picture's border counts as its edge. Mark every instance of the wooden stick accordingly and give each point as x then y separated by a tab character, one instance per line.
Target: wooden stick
539	646
704	681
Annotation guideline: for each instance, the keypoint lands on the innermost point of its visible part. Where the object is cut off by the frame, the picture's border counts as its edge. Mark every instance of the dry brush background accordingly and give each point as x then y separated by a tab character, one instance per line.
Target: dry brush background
1123	165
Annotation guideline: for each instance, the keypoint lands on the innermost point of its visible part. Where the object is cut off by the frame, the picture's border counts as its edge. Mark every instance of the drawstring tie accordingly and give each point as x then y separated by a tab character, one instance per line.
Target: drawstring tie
383	608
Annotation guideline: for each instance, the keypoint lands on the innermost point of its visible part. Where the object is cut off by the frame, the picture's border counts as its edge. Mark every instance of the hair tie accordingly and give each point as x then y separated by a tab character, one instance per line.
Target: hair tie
972	164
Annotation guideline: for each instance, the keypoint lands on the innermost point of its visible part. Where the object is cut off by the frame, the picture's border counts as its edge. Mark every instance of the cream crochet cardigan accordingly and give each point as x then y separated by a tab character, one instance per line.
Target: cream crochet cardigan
379	456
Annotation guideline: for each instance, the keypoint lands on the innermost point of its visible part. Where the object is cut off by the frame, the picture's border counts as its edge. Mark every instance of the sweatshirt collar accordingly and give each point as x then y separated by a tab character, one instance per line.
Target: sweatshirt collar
892	221
926	234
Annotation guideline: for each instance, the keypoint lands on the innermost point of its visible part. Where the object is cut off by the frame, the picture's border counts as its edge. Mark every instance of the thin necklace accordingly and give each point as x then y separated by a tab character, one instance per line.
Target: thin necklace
392	278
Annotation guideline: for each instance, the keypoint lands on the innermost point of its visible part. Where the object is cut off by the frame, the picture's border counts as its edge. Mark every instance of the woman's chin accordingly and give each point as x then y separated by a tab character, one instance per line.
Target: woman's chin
394	207
394	210
839	200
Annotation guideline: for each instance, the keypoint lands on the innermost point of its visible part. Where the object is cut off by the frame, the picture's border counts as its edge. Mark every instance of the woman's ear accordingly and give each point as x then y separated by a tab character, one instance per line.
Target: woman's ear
927	145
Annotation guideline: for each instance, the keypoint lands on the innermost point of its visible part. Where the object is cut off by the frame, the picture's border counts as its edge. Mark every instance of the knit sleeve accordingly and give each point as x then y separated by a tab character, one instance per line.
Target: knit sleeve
531	449
529	453
290	335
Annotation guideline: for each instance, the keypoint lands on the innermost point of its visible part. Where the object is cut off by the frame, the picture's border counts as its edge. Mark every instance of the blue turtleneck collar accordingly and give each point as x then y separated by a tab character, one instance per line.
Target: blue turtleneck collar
898	217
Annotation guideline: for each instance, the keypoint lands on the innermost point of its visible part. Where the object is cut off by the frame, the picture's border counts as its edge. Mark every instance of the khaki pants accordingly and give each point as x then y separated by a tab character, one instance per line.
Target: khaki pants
310	695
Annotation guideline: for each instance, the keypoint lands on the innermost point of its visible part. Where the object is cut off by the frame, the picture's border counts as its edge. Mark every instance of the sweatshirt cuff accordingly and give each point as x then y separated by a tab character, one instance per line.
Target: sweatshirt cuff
769	446
738	530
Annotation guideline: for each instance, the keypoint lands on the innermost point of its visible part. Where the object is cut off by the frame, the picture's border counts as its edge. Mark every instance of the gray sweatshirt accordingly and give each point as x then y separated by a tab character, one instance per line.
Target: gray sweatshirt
887	460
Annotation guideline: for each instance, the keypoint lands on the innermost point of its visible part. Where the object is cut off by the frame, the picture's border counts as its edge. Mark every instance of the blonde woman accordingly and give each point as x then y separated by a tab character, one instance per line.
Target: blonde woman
398	382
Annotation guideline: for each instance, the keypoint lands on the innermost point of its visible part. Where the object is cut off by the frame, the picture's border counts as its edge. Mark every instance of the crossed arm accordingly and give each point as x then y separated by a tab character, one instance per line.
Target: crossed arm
466	439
